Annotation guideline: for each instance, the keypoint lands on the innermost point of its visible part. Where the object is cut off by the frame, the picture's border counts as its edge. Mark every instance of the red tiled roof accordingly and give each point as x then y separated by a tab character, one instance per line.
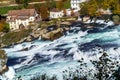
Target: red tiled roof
54	10
23	12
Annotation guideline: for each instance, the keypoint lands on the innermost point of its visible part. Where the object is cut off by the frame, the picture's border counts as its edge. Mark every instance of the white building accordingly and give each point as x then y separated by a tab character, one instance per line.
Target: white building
75	4
55	13
68	12
18	19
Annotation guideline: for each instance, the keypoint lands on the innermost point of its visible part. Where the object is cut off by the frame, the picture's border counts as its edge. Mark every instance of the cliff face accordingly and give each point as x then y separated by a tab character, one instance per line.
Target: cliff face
3	61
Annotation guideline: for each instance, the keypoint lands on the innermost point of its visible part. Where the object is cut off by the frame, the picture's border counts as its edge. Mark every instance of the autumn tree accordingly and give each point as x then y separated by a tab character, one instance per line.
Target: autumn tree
44	12
64	12
59	5
4	27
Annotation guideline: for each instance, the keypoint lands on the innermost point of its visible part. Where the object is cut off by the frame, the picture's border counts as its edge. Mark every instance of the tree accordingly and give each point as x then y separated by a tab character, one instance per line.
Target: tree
6	27
25	3
44	12
84	9
59	5
1	27
50	4
64	12
105	67
66	4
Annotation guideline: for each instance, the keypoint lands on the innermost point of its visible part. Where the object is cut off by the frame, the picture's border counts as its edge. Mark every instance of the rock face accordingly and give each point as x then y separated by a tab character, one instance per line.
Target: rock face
52	35
3	61
49	33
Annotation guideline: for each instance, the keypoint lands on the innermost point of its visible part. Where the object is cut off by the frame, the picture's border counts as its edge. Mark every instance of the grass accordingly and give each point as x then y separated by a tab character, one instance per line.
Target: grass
4	10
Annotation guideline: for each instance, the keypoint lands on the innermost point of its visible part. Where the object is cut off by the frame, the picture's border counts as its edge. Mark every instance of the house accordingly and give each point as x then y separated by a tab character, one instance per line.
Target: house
18	19
69	12
55	13
75	4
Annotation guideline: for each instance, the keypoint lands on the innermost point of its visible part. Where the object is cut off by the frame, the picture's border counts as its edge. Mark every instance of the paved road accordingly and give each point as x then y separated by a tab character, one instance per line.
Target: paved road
28	3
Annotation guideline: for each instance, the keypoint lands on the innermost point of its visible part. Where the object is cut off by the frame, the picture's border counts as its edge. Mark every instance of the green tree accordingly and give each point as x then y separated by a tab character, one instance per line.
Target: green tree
6	27
66	4
84	9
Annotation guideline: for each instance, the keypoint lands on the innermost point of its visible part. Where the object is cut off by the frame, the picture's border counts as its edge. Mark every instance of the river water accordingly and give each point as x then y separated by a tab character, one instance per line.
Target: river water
53	57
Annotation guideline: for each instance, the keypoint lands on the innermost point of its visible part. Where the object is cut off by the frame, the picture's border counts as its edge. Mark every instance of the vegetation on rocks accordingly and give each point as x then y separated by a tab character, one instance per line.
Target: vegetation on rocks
4	27
13	37
92	8
3	61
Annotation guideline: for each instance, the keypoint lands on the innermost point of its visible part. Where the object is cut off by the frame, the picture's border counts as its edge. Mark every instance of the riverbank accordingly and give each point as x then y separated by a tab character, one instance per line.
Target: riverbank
54	57
47	31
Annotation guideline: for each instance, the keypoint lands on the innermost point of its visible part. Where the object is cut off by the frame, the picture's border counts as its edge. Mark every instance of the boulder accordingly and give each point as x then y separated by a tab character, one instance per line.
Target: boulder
53	34
28	39
43	31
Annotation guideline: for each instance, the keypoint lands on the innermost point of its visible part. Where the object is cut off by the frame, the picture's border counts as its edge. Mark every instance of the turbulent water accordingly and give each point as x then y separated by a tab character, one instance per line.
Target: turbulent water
52	57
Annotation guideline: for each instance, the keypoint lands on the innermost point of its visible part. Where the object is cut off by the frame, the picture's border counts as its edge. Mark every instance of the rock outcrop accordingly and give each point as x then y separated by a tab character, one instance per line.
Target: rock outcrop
52	35
3	61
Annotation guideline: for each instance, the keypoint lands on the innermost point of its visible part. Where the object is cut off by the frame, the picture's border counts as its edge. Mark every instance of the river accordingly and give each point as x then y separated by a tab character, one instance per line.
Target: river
53	57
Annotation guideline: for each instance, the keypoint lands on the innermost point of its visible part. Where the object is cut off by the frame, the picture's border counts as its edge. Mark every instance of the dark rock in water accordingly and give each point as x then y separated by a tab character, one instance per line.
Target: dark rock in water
94	30
31	47
17	60
38	58
24	49
64	55
115	48
51	28
61	45
90	45
97	45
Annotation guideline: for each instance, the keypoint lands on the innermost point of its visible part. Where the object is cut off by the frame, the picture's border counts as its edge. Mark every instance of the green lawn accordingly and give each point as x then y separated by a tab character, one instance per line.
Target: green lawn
4	10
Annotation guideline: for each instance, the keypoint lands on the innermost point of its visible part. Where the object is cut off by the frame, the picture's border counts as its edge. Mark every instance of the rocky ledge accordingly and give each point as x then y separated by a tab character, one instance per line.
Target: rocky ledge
46	33
3	61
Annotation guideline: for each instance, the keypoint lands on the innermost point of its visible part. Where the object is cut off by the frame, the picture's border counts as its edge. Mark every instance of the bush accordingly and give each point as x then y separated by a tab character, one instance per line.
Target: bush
116	18
4	10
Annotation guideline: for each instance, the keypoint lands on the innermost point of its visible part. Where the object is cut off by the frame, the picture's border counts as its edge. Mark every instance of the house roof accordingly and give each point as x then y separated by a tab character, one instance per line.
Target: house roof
55	10
23	12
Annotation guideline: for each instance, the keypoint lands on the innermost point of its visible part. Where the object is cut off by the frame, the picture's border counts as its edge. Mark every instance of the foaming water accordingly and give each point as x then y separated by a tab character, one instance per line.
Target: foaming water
52	57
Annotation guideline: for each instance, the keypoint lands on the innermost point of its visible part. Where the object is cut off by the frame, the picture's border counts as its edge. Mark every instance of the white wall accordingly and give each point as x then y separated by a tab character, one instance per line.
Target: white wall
56	14
15	25
75	3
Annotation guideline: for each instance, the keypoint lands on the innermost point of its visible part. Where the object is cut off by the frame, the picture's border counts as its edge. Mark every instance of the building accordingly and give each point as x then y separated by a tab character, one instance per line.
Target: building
70	11
55	13
75	4
18	19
